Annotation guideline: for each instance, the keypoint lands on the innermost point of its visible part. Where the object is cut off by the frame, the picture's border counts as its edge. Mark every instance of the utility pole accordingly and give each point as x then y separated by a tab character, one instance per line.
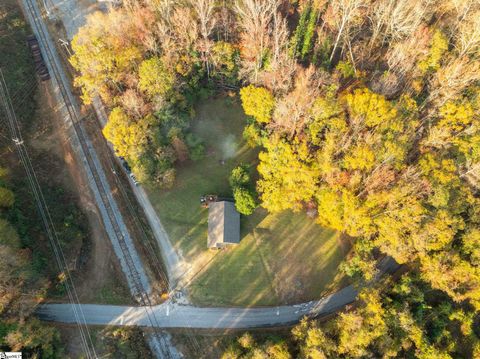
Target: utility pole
46	7
66	45
17	141
49	6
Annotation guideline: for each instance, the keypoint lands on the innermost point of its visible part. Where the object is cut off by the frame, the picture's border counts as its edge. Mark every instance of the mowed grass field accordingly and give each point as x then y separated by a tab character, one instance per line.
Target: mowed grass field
282	258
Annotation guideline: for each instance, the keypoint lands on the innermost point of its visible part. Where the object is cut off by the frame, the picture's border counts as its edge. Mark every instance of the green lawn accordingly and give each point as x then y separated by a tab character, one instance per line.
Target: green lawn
282	258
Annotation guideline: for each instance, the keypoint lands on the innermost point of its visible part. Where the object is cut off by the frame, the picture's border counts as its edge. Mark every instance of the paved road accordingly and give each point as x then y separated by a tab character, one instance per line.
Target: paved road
170	315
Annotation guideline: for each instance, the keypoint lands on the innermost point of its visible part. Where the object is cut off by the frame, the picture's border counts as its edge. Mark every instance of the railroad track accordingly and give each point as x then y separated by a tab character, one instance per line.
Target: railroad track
133	273
86	149
109	211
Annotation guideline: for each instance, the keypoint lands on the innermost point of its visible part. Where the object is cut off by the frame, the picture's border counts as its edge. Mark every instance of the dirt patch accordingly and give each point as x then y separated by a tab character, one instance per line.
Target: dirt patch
96	264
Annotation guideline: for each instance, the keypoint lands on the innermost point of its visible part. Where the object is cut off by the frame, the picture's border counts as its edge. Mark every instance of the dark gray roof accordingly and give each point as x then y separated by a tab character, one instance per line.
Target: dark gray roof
223	224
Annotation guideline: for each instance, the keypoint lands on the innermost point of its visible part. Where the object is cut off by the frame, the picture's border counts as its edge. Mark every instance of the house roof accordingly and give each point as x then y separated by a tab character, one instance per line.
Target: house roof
223	224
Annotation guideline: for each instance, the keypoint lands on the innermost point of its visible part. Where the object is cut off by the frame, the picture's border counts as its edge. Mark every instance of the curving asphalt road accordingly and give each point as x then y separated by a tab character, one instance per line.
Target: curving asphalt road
173	315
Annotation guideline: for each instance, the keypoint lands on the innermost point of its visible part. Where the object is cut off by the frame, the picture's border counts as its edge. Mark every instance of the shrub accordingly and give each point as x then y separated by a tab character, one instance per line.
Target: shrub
195	147
239	176
346	69
244	200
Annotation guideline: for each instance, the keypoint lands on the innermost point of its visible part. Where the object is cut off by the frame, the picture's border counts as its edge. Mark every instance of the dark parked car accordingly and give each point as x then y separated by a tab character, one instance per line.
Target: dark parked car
125	164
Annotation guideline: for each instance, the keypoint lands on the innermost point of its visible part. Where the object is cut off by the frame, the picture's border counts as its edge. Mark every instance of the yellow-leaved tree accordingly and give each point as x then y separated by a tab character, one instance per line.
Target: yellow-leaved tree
105	53
257	102
288	175
127	137
154	77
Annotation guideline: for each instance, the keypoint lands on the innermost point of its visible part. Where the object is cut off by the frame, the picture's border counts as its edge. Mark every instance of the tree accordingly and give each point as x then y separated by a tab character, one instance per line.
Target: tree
396	20
288	175
361	157
204	10
467	35
312	340
224	59
438	48
255	20
447	271
6	197
257	102
244	200
369	108
278	67
346	12
106	50
360	328
34	338
134	104
452	79
292	111
247	347
244	196
471	245
402	322
239	176
154	78
404	54
8	235
128	137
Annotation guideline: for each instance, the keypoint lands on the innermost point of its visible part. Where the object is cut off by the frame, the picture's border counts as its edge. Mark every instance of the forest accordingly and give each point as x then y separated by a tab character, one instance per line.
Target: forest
365	111
24	282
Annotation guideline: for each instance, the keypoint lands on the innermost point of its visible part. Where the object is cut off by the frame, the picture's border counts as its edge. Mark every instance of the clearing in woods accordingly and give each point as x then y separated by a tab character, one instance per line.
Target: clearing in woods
282	258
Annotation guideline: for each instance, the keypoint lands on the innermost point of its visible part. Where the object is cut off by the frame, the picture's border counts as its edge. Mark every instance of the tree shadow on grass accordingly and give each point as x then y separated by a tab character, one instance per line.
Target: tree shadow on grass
250	223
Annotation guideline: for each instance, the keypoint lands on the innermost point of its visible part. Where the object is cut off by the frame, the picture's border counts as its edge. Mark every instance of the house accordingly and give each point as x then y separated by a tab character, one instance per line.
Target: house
223	224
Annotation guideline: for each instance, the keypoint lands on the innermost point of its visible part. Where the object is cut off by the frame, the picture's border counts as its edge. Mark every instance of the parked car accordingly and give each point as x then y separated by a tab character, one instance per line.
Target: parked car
125	164
134	179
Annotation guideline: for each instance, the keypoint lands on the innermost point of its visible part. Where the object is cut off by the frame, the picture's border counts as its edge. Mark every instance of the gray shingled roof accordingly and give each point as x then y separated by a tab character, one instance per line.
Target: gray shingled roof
223	224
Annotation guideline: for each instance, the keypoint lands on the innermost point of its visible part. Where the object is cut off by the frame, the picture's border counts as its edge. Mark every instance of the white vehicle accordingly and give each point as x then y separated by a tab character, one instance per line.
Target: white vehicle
134	179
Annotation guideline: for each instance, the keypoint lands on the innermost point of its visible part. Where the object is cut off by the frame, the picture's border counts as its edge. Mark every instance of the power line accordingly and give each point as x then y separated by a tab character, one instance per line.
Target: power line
15	132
